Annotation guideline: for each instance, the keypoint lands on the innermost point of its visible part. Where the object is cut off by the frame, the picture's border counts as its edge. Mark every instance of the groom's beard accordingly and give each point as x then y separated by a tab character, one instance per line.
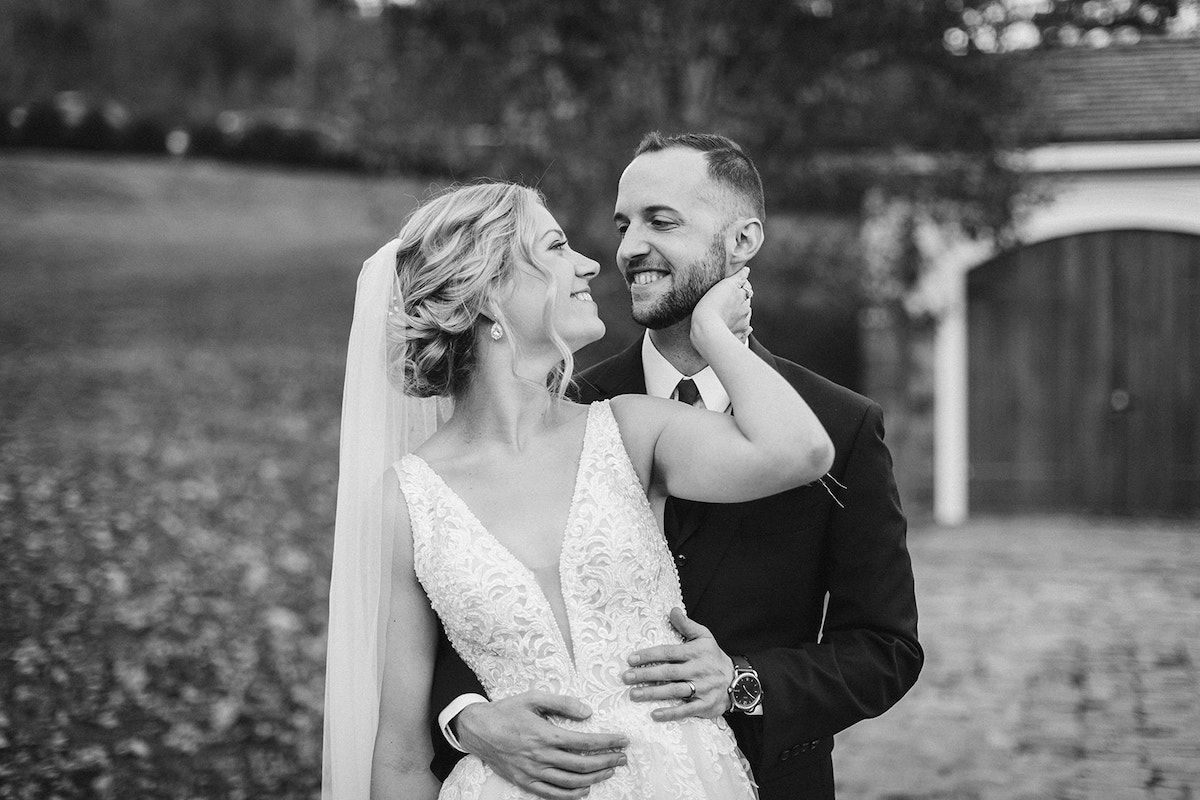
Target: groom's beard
688	284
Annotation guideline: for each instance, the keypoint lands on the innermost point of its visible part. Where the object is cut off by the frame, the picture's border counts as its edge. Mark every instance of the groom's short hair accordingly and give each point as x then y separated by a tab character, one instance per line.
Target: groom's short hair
728	165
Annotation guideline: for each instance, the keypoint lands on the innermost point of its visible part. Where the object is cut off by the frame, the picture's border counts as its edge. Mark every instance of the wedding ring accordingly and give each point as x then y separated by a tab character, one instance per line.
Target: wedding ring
692	693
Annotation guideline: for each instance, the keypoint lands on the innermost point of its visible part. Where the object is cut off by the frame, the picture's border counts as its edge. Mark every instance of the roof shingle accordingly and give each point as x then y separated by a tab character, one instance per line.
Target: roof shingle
1145	91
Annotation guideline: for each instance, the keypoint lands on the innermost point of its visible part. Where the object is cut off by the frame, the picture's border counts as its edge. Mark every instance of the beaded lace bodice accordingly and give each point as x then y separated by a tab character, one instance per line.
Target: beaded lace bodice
617	576
618	587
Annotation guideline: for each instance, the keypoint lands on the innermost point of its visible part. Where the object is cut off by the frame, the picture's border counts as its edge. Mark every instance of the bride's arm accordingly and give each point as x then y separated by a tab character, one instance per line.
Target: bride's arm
400	767
771	443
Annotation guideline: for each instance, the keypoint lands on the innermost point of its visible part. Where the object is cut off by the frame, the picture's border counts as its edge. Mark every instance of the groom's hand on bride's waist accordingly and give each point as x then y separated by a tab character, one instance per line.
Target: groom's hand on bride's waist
697	671
514	738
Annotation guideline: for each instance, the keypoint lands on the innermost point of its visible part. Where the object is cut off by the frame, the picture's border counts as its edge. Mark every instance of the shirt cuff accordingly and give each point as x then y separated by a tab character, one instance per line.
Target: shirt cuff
453	710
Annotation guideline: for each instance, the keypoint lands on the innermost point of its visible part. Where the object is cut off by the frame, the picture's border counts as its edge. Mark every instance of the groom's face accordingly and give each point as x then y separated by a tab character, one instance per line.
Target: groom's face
672	221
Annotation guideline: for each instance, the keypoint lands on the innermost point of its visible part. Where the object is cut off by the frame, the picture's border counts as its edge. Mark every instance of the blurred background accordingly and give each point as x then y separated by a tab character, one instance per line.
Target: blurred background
984	214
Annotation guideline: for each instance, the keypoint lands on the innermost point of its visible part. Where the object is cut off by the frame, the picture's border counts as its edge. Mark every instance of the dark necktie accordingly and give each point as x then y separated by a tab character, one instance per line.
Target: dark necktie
679	513
687	392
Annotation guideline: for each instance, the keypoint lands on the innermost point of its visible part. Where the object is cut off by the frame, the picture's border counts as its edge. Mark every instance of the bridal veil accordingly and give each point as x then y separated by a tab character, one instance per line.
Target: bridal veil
379	425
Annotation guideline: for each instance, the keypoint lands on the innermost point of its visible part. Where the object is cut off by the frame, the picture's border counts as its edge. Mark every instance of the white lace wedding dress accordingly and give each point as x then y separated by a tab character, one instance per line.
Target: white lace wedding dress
618	583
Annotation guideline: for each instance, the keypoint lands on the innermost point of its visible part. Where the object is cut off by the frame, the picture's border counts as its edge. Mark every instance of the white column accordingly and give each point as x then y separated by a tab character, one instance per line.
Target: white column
950	459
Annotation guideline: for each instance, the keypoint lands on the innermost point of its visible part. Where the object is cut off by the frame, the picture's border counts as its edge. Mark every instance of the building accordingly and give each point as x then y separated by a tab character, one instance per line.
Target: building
1066	371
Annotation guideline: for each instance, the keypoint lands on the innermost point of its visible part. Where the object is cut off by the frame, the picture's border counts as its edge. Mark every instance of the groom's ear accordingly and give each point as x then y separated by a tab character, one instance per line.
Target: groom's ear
747	236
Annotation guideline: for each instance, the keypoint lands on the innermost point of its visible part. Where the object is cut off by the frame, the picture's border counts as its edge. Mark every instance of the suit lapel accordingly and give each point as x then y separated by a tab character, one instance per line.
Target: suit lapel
621	374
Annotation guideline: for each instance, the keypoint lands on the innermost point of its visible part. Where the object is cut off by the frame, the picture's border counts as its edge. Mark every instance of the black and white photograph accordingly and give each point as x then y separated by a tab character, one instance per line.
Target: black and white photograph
609	399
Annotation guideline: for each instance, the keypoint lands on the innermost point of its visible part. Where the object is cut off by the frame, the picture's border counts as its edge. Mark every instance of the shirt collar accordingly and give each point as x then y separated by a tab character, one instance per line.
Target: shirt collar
662	378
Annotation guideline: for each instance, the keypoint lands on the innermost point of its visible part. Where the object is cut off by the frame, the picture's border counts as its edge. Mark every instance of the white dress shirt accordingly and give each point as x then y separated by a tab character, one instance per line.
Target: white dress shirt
662	378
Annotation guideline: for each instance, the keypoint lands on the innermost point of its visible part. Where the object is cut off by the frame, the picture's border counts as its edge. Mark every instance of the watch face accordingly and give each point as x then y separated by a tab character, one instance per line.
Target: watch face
746	692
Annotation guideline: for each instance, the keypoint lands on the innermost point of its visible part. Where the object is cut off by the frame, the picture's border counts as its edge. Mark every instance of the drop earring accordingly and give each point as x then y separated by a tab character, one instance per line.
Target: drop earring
497	332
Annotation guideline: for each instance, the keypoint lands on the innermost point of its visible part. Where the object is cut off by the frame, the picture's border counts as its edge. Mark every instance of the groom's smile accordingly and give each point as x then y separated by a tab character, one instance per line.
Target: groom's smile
643	278
647	270
653	290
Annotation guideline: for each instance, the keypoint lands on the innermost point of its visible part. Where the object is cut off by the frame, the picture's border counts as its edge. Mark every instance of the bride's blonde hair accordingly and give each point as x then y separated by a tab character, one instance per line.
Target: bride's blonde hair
456	252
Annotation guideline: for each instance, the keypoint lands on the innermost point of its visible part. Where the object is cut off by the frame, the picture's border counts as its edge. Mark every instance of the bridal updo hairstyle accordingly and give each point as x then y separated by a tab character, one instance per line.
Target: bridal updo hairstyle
456	253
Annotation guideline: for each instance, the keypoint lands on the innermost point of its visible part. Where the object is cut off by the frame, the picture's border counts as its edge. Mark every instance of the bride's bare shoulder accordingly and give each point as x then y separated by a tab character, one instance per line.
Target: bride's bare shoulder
641	418
638	407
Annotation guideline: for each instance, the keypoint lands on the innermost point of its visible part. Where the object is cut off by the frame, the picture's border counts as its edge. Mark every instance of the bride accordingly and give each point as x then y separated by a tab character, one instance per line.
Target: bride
524	522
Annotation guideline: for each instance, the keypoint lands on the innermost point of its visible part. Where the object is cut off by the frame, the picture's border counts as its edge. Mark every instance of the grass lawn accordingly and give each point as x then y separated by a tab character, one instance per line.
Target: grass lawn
171	348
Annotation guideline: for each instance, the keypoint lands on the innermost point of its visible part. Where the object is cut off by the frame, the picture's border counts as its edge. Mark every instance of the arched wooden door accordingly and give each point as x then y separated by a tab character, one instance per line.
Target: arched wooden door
1084	376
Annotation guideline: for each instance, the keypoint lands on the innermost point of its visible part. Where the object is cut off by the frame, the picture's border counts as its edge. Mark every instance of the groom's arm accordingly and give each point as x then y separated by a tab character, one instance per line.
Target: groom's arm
868	656
451	679
515	737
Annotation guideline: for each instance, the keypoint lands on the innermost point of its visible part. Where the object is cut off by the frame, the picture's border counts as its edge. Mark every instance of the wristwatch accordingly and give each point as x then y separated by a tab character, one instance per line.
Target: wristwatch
745	690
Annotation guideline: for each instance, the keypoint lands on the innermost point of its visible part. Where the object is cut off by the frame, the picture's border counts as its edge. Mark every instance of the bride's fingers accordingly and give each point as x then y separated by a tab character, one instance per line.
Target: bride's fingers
742	327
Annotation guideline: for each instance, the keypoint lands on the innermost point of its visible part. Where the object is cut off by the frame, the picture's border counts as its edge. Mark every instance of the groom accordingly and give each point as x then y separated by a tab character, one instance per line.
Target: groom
802	619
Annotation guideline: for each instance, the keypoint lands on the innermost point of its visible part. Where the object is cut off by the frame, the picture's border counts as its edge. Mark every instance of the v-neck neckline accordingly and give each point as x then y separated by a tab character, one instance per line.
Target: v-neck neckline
567	638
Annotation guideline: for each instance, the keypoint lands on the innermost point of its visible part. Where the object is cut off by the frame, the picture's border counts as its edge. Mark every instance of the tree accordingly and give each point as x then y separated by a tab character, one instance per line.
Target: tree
995	26
573	83
178	59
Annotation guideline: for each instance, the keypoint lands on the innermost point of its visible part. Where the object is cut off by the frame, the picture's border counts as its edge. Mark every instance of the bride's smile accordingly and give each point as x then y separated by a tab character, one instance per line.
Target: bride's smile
551	293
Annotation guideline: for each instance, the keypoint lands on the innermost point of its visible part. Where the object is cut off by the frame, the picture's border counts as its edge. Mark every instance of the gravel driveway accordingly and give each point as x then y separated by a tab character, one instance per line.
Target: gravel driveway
1061	663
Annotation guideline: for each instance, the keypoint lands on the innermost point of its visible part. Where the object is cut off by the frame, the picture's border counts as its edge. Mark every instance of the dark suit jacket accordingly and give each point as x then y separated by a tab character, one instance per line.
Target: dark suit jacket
757	573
